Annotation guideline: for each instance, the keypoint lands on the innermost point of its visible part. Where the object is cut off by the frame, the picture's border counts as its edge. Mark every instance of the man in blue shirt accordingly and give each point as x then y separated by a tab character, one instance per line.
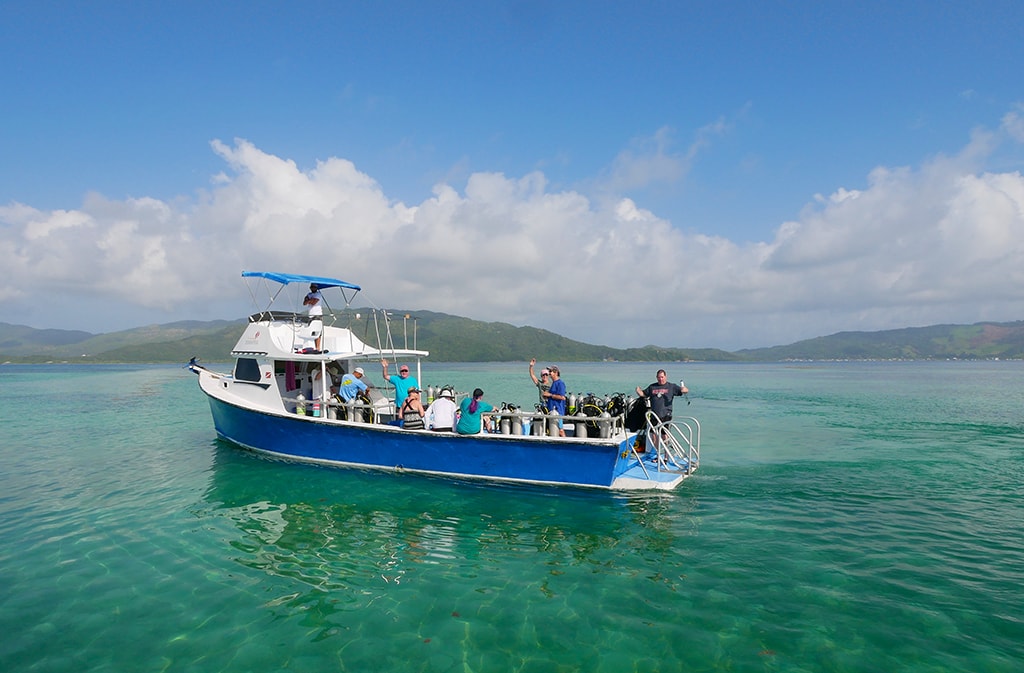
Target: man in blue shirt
402	382
555	397
352	384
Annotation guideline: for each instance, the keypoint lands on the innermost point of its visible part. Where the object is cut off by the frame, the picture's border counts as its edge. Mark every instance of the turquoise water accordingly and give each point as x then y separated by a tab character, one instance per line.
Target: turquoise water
847	517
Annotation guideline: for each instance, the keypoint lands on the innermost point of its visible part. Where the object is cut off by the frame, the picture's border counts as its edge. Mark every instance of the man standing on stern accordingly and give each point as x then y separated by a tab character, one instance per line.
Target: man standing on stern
660	395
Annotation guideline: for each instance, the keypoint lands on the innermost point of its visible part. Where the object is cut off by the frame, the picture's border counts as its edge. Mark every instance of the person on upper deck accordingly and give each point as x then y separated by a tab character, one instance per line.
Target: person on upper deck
543	383
412	412
556	397
441	412
472	417
402	383
660	394
315	301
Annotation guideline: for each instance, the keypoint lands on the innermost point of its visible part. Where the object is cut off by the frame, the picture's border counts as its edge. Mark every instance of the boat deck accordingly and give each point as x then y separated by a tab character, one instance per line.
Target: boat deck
649	474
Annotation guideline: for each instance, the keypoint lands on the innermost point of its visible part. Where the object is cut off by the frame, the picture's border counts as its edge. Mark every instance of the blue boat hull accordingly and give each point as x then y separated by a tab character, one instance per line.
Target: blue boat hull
491	457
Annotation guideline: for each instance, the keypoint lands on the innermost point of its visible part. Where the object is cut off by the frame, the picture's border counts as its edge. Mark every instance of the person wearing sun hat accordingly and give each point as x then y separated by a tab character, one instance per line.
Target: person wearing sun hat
441	412
543	383
402	383
352	384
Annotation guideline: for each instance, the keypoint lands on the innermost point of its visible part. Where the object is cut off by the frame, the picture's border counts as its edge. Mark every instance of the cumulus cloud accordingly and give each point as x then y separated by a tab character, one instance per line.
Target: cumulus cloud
1013	123
942	242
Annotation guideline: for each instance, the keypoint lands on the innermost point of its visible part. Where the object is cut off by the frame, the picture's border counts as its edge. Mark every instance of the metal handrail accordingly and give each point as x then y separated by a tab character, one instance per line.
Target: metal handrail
331	403
676	442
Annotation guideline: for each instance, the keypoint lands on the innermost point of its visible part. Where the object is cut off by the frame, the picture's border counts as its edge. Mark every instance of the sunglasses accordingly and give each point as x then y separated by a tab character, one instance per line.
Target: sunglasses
403	371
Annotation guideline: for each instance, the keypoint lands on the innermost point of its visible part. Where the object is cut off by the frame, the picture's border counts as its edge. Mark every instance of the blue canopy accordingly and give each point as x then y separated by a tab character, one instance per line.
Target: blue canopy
286	278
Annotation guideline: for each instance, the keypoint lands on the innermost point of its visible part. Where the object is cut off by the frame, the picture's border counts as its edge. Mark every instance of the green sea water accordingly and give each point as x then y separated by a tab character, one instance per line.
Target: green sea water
858	517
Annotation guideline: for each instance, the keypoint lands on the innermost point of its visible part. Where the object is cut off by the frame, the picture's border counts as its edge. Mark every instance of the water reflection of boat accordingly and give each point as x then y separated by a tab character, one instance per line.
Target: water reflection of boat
275	402
330	530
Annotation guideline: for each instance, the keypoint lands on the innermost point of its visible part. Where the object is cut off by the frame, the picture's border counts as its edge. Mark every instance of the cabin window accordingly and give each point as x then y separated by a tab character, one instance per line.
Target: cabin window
247	369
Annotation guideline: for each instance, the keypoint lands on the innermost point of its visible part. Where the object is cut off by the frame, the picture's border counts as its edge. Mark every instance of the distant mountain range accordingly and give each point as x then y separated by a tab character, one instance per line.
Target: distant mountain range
455	339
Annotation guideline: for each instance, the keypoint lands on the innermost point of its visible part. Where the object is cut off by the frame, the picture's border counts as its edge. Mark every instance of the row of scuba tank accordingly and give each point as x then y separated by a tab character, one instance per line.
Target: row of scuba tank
595	414
588	404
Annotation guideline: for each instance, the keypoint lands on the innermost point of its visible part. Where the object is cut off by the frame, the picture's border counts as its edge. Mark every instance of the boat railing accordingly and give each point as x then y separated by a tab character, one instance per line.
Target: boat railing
676	443
335	409
280	316
533	423
539	423
505	422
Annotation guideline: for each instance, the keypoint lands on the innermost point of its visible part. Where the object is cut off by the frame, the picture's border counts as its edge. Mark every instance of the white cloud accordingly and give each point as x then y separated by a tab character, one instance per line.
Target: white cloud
650	161
1013	123
943	242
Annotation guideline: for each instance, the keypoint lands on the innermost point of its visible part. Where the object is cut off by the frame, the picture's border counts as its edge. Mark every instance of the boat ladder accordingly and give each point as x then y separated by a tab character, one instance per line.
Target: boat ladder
676	443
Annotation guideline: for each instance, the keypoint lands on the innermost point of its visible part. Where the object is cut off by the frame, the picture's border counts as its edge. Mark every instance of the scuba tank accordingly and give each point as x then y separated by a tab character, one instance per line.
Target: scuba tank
300	404
515	421
579	422
505	425
552	426
537	429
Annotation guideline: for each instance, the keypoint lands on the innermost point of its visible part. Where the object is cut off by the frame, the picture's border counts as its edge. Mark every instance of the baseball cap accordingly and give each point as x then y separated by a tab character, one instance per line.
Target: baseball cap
358	370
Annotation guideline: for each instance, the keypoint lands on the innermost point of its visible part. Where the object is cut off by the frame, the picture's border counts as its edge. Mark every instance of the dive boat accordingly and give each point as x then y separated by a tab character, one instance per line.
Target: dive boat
268	404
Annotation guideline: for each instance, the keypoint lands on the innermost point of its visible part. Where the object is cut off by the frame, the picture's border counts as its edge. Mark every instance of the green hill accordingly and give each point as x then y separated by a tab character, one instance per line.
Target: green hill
938	342
448	338
455	339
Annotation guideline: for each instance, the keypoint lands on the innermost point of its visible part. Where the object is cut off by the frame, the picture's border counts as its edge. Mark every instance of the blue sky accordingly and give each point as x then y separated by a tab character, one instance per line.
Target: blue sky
733	174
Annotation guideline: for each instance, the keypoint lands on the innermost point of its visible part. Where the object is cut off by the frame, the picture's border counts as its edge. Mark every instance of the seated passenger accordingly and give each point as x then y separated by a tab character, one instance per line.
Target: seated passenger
441	413
412	410
472	414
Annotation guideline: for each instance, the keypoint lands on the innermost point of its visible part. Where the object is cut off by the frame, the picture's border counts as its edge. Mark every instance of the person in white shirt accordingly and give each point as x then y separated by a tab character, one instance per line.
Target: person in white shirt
320	390
315	301
441	413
